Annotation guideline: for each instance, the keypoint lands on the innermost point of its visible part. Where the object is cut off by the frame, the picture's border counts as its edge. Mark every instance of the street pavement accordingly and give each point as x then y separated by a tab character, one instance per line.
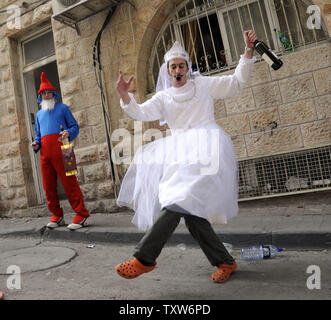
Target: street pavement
60	270
307	227
63	264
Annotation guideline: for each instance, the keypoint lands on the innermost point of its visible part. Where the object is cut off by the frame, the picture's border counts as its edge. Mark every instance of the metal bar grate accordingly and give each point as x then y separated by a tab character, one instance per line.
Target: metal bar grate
302	171
212	31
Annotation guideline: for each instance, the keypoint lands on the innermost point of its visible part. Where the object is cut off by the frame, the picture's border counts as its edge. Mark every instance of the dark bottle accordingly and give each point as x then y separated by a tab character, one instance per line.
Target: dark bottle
265	52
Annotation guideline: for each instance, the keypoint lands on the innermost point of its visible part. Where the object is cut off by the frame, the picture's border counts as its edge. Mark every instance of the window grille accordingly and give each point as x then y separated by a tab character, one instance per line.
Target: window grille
212	31
296	172
38	48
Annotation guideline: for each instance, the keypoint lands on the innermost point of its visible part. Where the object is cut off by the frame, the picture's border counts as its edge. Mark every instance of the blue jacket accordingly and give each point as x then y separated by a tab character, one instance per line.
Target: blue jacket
49	122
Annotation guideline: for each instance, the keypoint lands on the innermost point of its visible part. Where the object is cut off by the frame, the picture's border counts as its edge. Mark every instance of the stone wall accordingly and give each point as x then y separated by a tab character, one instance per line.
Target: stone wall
17	189
284	110
278	112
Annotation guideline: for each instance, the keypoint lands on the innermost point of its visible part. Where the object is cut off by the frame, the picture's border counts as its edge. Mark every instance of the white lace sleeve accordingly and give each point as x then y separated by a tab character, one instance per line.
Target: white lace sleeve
221	87
150	110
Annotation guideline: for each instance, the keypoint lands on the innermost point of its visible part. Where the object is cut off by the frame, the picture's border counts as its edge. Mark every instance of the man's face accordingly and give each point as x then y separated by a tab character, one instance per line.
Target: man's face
177	70
47	95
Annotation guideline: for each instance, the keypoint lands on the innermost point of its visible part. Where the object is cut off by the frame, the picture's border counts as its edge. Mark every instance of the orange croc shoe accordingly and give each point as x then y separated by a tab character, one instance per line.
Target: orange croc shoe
223	272
132	269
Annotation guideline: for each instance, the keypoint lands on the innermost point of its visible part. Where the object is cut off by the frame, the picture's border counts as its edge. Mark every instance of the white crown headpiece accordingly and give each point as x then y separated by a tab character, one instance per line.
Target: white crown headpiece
176	51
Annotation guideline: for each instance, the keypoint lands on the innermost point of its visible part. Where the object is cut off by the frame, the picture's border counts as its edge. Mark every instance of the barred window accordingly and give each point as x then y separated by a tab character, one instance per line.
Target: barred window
212	31
295	172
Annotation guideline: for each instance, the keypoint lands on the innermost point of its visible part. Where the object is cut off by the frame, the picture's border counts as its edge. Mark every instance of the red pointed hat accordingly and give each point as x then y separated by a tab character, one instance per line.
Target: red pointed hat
45	84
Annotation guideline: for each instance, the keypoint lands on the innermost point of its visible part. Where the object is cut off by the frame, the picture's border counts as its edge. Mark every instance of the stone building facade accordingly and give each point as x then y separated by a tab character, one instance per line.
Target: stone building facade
297	98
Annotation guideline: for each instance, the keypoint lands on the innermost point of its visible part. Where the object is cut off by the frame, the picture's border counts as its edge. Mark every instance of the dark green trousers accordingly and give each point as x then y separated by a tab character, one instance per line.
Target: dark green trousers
150	246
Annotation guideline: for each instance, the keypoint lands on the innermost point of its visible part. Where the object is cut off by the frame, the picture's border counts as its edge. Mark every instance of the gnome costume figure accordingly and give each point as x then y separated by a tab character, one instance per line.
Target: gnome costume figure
190	174
49	120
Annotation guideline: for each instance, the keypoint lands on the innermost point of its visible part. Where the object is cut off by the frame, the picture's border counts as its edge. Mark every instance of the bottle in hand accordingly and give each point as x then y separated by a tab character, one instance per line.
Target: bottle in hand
65	141
265	52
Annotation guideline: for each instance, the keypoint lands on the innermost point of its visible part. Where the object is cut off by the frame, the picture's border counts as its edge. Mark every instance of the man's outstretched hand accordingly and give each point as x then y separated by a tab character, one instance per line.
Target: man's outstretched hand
250	37
123	87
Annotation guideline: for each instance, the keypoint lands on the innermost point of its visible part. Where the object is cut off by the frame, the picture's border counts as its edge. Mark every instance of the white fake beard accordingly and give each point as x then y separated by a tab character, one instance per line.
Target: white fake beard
47	104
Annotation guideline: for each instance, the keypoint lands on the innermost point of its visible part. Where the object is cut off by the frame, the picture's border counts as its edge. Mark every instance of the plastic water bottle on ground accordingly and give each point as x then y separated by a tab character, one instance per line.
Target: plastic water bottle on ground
259	252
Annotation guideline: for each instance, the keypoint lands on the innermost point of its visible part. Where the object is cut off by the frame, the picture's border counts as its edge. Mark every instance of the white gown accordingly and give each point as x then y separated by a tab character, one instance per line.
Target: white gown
195	167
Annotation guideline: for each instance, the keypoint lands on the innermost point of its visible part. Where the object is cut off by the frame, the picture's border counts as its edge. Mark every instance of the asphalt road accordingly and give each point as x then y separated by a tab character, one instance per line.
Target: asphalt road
66	270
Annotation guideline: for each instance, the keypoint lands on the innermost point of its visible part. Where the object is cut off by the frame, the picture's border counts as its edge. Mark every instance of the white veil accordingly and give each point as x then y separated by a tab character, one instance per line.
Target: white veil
176	51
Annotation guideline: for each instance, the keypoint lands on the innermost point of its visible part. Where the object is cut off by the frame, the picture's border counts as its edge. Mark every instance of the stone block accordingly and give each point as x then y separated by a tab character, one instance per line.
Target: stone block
267	95
296	88
4	206
105	189
21	192
103	151
273	141
81	118
85	155
239	146
9	194
17	163
317	57
42	12
60	39
297	112
316	133
85	63
127	48
264	120
5	165
16	179
108	171
155	3
89	81
3	45
3	181
63	70
99	134
92	97
64	54
71	86
145	15
4	61
8	120
80	176
260	74
94	116
94	172
84	45
19	204
85	137
6	74
304	61
323	81
235	124
11	149
240	103
219	109
123	31
14	133
323	107
89	191
11	106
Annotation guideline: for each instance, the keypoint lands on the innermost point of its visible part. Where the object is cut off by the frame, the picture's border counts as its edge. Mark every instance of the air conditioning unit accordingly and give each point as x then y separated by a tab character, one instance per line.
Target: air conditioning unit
70	12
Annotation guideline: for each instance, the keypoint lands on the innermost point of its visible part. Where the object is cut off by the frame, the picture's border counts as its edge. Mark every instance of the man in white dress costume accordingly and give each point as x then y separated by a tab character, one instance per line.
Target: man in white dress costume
168	178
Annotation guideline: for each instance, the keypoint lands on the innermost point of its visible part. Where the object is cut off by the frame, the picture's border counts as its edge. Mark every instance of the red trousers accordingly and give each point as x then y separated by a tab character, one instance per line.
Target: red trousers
51	167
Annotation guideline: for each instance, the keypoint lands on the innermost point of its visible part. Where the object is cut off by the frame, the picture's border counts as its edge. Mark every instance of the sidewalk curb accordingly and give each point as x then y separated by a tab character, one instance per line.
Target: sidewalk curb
288	239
